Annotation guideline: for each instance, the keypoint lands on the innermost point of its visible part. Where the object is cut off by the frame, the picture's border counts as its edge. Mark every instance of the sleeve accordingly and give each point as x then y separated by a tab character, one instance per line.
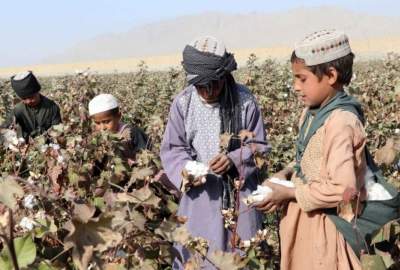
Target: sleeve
175	151
139	139
343	152
56	119
254	123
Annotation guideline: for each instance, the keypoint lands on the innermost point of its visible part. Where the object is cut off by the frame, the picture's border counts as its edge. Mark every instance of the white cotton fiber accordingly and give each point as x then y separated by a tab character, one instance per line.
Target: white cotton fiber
262	192
196	168
375	191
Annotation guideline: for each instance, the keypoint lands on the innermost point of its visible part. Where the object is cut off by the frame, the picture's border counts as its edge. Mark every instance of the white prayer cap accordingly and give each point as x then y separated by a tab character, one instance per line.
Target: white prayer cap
209	44
102	103
322	47
22	75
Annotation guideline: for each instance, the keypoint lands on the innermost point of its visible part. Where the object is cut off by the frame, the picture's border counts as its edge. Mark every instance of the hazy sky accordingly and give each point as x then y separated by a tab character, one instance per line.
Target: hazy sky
31	30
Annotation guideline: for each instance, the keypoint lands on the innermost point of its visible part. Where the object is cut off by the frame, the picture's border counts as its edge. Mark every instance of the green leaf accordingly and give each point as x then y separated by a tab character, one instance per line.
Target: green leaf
387	232
172	206
142	196
9	191
45	266
99	202
372	262
46	226
227	260
83	212
25	250
73	177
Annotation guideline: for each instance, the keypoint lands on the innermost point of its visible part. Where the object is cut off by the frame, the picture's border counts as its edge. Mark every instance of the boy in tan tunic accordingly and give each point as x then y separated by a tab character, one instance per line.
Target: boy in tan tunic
330	160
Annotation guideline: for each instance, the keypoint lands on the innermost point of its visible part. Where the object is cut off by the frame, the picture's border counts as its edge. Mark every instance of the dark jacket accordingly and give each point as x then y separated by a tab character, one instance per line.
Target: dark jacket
33	121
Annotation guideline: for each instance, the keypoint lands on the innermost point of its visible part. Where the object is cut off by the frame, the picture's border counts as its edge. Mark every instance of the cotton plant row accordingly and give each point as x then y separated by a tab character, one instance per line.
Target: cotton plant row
58	195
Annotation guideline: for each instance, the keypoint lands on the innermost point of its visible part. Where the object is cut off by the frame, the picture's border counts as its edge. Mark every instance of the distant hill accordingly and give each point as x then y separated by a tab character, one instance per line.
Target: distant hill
239	31
160	44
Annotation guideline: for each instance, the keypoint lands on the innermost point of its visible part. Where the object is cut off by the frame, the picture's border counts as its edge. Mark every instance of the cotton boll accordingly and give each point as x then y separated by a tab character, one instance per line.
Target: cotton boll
55	146
258	195
196	168
13	148
263	192
30	201
376	192
43	148
60	159
246	243
27	224
14	141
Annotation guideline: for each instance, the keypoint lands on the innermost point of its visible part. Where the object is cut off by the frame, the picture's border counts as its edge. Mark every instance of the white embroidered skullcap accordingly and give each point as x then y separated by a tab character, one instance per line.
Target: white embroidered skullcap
102	103
209	44
322	47
21	75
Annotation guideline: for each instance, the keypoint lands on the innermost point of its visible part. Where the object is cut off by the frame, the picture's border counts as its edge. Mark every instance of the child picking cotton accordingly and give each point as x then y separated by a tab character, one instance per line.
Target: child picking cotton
105	113
333	168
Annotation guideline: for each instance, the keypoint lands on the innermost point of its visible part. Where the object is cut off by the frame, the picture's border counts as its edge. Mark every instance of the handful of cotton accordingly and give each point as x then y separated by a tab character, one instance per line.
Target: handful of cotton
196	168
262	192
194	174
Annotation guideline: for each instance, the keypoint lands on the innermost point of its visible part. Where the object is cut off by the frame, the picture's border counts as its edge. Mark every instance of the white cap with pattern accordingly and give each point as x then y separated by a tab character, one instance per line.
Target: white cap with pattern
102	103
322	47
209	44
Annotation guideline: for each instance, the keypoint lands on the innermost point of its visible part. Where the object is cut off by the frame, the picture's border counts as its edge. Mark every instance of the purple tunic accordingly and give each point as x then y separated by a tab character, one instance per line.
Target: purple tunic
192	133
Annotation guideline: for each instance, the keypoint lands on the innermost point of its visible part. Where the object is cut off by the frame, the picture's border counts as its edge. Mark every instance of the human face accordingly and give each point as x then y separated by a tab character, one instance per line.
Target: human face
311	90
32	101
210	92
106	121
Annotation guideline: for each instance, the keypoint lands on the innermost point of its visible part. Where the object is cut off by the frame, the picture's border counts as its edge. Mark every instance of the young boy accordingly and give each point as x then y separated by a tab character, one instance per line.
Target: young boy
105	113
35	113
332	163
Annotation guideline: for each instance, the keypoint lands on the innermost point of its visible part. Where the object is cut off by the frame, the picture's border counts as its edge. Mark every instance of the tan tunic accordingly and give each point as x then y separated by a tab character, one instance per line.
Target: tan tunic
333	160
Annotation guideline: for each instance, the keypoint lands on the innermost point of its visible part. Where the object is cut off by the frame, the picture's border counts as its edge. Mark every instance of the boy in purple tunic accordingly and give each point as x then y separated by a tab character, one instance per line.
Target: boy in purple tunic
212	104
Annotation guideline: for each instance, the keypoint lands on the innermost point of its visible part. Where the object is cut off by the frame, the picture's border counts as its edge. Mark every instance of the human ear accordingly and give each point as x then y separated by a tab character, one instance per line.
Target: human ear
332	75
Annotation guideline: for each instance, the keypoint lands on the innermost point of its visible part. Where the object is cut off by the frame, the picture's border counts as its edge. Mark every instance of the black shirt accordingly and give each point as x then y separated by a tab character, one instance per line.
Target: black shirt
33	121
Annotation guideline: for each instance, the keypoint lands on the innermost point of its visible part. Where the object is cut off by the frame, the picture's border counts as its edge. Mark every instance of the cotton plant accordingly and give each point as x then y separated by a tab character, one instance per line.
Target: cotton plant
137	212
11	141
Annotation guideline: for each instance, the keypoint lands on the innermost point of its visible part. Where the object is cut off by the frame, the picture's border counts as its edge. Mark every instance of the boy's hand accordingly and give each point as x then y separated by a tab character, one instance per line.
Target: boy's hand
220	164
279	196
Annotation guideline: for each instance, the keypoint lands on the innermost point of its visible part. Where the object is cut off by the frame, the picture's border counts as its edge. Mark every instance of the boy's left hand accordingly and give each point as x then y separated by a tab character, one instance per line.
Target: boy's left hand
280	194
220	164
